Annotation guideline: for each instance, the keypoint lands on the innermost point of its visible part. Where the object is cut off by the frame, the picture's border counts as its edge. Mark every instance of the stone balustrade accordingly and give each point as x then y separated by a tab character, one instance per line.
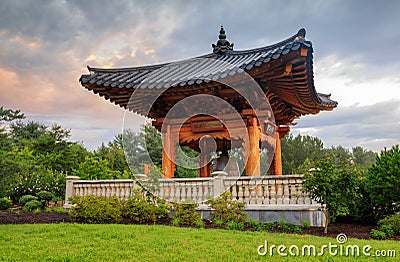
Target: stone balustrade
266	190
267	198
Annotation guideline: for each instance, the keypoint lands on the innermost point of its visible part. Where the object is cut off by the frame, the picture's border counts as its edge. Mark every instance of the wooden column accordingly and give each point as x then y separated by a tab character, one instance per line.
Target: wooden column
278	156
253	161
205	157
168	154
276	165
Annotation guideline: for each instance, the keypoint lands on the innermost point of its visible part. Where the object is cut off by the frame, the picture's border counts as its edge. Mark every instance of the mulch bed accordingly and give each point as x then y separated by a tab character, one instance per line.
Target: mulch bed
21	217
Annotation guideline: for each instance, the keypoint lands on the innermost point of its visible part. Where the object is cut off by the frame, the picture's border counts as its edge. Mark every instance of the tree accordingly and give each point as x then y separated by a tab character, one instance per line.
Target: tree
335	187
93	169
296	149
383	182
363	158
181	170
9	115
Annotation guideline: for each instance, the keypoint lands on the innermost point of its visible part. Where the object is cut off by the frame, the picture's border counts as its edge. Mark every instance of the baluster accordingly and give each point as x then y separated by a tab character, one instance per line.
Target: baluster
253	189
103	190
98	190
118	189
279	197
240	191
300	199
293	192
266	200
286	195
272	192
109	190
260	193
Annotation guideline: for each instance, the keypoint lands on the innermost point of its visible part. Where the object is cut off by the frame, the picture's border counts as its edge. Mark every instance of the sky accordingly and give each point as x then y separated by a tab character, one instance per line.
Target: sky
46	45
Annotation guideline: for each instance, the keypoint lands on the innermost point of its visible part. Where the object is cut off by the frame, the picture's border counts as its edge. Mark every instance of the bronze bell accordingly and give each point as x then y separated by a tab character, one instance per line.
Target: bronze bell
220	165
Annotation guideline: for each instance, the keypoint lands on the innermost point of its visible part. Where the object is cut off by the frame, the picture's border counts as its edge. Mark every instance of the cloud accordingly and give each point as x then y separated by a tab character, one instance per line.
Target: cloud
373	126
45	47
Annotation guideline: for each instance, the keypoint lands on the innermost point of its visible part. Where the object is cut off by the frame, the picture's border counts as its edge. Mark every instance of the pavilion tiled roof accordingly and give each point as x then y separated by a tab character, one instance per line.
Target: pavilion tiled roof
295	88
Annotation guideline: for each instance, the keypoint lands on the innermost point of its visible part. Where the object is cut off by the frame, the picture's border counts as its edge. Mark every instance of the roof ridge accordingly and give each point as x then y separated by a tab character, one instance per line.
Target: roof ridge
299	35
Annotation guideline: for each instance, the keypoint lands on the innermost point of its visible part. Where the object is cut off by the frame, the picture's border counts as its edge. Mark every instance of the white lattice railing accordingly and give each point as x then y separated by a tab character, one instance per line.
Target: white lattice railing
267	190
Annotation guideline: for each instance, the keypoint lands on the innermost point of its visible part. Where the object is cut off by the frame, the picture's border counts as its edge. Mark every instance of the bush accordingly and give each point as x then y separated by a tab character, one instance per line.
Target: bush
227	209
387	229
377	234
163	209
25	199
5	203
45	197
305	224
199	223
297	230
96	209
32	205
240	226
392	221
140	209
218	222
186	213
254	223
176	222
231	225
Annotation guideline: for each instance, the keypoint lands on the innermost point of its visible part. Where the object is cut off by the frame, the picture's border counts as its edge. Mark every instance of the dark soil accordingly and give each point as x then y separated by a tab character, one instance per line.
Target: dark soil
21	217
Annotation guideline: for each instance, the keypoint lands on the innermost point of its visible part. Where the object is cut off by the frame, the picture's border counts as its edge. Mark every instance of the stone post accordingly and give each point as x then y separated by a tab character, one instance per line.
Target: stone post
69	188
219	184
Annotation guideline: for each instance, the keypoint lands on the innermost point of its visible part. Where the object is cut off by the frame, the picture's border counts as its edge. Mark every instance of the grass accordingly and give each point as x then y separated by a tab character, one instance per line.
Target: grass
78	242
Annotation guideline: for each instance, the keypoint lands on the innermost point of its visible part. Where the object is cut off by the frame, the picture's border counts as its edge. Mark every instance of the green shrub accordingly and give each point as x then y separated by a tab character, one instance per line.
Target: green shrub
59	210
305	224
163	209
45	197
281	223
199	223
218	222
5	203
269	226
387	229
176	222
286	229
392	221
186	213
25	199
253	223
37	211
227	209
240	226
260	227
297	230
377	234
96	209
231	225
265	227
32	205
140	209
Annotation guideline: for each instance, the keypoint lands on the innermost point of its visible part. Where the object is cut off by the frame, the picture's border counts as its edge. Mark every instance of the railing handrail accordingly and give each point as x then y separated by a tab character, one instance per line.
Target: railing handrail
114	181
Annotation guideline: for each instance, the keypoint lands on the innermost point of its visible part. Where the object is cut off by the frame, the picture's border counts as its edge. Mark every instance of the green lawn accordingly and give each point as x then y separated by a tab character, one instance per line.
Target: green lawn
77	242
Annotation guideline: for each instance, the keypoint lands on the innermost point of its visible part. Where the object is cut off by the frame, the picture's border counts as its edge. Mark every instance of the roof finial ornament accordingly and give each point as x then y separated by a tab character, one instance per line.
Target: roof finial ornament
222	45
